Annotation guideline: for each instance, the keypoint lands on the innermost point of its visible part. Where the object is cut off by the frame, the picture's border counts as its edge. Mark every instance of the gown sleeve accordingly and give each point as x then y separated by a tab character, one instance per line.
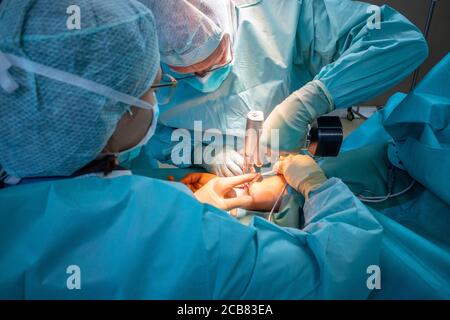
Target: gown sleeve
340	43
327	259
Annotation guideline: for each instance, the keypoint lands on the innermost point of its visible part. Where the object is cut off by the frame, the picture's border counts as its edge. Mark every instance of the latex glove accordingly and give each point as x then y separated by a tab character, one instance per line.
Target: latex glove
195	181
301	172
294	114
220	193
227	163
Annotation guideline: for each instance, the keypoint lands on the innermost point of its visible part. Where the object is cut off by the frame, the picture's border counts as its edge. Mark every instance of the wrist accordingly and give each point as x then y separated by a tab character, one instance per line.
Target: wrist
316	100
312	182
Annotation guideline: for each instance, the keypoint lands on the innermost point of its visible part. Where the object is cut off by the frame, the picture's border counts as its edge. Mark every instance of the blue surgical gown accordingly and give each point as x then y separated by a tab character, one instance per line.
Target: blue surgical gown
134	237
283	44
415	254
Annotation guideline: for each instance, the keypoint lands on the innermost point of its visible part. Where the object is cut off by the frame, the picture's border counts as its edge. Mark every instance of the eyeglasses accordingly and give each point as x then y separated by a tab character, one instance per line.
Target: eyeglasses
166	88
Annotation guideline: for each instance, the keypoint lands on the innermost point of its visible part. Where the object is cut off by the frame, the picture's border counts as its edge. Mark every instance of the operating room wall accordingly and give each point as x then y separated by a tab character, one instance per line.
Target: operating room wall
438	41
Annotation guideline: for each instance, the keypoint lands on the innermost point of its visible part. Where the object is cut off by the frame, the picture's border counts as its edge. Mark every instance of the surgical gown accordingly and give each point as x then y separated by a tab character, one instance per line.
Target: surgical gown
133	237
283	44
415	256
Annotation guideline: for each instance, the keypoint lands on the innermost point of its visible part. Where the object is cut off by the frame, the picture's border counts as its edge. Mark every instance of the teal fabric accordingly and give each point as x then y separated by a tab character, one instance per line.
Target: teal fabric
372	132
326	40
134	237
420	126
415	258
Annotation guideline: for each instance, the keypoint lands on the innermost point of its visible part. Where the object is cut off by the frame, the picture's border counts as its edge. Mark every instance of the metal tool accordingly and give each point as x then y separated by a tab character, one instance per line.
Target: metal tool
252	156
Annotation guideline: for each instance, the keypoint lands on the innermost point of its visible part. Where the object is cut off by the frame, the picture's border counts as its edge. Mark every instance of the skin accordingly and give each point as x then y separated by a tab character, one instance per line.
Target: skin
195	181
218	57
131	129
264	193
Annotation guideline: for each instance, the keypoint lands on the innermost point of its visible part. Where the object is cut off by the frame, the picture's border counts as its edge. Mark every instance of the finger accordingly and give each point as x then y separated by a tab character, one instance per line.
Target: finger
279	166
197	186
191	178
244	201
236	169
233	212
227	172
219	172
231	182
237	158
276	167
239	161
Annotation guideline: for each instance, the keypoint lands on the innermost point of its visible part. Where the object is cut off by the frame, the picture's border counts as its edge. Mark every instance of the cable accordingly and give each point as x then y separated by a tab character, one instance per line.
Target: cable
270	218
378	199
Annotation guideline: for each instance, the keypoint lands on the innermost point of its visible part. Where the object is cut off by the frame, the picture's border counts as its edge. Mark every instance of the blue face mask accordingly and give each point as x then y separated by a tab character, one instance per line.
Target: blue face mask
211	81
133	153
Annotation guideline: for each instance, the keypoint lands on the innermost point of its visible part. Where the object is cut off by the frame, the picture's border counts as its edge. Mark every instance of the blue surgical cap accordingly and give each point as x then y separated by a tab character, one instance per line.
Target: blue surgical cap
48	126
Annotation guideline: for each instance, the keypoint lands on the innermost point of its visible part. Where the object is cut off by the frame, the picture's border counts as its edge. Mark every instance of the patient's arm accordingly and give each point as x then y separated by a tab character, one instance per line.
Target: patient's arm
264	193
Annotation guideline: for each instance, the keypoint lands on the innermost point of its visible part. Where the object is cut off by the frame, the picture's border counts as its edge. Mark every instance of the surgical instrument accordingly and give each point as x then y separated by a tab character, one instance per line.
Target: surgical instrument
252	157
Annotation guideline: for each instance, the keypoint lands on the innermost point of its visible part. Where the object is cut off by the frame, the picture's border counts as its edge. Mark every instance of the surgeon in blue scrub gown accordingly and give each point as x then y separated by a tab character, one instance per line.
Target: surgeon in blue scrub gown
293	60
77	226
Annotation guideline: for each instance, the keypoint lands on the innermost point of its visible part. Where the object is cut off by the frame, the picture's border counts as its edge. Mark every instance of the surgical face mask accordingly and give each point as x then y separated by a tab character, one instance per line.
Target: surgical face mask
211	81
208	83
132	153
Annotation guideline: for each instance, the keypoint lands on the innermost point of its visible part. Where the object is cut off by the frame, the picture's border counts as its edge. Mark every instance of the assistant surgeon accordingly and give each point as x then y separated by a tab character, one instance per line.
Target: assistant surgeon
293	60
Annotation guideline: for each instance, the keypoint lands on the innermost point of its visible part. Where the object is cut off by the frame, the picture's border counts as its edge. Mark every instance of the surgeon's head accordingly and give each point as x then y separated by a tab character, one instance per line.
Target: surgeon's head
196	38
69	95
134	128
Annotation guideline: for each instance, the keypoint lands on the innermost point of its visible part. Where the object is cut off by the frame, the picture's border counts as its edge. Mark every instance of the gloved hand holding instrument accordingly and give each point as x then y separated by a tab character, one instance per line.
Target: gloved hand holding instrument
301	172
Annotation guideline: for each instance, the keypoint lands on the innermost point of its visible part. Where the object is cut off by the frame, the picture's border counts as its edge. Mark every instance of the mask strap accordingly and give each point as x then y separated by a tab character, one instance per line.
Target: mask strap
6	80
9	85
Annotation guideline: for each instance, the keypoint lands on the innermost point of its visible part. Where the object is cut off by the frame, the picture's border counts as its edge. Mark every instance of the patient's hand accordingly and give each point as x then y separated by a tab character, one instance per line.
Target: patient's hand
265	193
195	181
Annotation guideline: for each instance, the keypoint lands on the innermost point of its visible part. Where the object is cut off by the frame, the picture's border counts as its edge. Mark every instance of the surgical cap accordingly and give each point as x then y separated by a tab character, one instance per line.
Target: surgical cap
190	30
51	127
